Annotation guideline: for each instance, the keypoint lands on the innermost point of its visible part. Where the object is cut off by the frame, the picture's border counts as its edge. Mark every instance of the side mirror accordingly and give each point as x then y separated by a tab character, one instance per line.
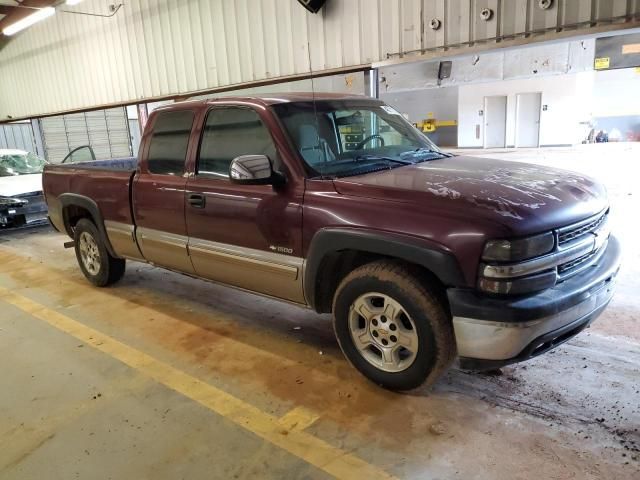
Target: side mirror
254	170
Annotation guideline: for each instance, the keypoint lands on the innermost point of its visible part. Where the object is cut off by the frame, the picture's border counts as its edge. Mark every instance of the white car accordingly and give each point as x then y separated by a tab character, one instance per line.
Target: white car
21	199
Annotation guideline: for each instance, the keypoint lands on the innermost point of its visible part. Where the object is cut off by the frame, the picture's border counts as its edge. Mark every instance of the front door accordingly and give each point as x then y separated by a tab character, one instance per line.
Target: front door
495	121
248	236
159	193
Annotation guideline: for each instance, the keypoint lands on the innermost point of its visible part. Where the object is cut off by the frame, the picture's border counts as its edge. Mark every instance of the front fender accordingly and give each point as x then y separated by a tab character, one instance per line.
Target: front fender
430	255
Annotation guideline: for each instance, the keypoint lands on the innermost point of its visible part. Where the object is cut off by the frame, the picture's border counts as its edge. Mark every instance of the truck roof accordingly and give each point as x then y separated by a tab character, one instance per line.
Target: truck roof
271	99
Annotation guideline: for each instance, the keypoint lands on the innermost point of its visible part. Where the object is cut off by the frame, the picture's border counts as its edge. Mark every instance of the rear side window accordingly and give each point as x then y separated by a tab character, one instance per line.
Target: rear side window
229	133
169	142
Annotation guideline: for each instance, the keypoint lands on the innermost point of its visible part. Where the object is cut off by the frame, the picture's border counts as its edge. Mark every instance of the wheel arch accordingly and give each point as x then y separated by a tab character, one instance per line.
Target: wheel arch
75	207
334	252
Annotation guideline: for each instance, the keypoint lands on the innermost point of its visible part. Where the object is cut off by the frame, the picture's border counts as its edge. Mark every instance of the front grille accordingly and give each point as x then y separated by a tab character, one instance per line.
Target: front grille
565	267
569	236
572	232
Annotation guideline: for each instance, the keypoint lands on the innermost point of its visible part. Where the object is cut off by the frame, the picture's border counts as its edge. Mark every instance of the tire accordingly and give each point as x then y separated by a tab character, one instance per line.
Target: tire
417	329
97	265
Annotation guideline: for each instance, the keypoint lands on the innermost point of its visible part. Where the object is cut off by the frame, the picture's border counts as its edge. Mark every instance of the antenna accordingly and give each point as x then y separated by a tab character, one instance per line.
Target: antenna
313	96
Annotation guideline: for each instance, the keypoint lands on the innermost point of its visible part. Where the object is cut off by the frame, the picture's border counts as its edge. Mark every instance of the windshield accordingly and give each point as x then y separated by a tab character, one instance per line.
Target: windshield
20	163
342	138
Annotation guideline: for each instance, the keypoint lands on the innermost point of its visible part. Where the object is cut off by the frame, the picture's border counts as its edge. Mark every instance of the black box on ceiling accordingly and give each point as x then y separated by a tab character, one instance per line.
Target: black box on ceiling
312	5
621	51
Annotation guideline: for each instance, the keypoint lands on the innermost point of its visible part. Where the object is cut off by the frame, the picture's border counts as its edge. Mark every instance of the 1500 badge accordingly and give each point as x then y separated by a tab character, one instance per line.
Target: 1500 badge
281	249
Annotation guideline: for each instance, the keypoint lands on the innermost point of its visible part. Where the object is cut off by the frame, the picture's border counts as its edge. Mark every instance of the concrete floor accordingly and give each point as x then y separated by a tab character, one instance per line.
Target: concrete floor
163	376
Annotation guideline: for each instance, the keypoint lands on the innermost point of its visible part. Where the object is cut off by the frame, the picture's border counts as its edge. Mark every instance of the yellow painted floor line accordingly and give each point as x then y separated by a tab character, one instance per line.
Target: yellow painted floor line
298	418
285	432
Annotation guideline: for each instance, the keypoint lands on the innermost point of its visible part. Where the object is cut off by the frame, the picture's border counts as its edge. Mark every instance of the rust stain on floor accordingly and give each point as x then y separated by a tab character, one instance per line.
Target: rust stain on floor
249	345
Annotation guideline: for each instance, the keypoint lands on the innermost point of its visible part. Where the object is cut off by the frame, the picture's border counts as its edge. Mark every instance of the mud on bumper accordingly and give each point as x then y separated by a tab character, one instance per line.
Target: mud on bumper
492	332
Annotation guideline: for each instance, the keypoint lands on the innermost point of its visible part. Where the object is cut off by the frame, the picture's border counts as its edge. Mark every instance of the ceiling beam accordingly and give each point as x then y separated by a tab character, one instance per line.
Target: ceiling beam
18	12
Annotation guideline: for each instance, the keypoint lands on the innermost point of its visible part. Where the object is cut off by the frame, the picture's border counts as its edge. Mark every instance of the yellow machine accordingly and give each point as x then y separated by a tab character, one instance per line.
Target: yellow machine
431	124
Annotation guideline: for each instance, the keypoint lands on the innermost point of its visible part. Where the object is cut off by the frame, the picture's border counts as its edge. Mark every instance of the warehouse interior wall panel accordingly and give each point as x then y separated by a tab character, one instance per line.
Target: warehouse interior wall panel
154	49
565	101
573	94
348	83
615	93
107	131
535	60
17	136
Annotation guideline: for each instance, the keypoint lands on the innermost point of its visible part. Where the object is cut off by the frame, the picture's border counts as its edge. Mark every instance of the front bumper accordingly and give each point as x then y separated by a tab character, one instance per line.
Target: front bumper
492	332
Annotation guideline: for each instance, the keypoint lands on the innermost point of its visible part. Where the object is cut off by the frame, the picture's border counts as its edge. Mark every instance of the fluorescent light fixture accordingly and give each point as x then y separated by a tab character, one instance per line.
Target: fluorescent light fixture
73	2
26	22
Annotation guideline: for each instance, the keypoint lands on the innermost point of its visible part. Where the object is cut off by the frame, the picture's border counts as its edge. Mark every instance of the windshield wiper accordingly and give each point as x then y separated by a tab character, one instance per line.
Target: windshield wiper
357	170
378	158
418	152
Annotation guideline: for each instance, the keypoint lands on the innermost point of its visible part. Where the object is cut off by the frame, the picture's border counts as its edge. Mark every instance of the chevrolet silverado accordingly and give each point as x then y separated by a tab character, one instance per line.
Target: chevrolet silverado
339	204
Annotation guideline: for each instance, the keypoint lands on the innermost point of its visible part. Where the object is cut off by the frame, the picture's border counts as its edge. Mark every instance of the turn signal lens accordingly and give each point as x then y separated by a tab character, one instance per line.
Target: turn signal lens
518	286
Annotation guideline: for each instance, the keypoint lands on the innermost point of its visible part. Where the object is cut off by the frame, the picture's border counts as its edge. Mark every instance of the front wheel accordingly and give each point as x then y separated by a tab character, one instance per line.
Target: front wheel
97	265
391	327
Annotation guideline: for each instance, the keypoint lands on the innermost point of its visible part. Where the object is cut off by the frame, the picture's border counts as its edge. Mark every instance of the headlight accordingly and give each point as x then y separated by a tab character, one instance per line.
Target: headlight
513	267
516	250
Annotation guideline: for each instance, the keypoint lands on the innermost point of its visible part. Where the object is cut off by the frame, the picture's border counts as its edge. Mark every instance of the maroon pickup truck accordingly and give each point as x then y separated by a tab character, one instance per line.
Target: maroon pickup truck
339	204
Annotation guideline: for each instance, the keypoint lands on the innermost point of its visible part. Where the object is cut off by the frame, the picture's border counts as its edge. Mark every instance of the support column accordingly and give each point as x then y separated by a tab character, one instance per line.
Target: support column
371	83
37	137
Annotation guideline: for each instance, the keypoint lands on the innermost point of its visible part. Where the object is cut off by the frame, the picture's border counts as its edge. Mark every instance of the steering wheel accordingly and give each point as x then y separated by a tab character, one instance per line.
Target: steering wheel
368	139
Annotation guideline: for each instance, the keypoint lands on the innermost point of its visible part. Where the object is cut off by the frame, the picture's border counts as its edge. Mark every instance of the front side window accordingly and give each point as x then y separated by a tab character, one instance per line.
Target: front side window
339	138
169	142
228	133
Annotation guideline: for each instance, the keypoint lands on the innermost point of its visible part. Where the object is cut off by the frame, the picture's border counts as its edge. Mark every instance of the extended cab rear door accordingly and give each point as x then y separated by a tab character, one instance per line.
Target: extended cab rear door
159	190
243	235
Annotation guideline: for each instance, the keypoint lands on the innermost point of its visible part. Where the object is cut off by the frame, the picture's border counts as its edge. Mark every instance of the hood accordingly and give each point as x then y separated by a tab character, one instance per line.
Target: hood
17	185
523	197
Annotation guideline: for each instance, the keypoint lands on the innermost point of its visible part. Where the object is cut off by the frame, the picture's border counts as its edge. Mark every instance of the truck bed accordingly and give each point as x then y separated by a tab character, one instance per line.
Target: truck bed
106	182
123	163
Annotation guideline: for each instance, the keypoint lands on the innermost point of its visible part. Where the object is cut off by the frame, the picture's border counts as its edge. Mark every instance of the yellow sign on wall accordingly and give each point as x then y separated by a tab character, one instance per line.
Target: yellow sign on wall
601	63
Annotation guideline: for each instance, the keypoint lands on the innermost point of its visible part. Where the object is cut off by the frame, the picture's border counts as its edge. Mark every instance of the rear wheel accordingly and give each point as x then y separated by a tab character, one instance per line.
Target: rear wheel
97	265
391	326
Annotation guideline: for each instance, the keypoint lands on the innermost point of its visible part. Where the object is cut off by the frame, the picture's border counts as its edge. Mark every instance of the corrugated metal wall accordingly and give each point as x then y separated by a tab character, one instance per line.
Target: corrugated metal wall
107	131
158	48
18	136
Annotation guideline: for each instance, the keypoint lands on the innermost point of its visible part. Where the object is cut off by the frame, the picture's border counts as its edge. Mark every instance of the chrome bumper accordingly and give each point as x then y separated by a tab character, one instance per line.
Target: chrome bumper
520	332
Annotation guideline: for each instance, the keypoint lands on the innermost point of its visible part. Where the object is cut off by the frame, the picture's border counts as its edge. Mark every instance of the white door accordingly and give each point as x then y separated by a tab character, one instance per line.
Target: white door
528	119
495	121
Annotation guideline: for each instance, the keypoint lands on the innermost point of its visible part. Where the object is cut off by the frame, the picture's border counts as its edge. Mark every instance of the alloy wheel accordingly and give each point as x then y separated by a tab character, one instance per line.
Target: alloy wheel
383	332
89	253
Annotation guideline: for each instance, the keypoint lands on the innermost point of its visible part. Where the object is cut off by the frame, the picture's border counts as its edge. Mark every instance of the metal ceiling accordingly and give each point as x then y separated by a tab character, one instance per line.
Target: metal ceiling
158	49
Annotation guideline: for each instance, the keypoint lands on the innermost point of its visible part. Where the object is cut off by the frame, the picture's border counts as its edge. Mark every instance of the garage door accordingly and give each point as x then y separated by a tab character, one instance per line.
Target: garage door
107	131
17	135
